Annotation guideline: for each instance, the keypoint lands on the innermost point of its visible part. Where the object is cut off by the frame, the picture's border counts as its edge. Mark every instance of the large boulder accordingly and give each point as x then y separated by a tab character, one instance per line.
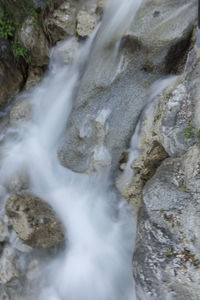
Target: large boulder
34	221
119	91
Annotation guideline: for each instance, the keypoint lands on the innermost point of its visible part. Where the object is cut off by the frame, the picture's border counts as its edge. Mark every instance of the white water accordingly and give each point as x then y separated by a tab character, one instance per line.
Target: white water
134	151
100	230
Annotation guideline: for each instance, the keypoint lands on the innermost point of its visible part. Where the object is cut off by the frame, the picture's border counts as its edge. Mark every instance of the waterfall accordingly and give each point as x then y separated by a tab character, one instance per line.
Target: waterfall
100	229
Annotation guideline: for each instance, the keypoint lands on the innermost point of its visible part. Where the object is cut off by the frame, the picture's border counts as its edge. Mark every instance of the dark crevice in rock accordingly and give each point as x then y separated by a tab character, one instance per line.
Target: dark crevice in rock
177	56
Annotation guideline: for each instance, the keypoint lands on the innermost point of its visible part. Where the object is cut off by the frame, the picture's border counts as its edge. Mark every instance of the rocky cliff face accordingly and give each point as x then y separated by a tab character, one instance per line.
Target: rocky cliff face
112	93
166	259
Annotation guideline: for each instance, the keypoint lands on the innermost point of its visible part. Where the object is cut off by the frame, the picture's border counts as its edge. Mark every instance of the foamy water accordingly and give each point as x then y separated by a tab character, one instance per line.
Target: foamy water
100	230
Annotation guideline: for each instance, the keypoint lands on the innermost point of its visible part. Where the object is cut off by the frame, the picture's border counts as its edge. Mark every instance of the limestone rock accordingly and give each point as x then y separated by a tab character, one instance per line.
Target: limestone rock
11	76
123	88
62	22
166	259
165	31
65	52
21	111
34	221
85	23
8	268
145	165
4	233
33	38
34	77
101	6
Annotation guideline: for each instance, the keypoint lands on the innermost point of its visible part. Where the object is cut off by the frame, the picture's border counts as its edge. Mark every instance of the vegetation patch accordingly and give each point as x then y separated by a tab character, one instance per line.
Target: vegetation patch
192	132
11	22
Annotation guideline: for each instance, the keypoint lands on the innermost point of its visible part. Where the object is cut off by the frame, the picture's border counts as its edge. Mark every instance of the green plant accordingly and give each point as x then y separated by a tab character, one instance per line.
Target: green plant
198	138
169	252
189	131
182	185
35	18
20	51
7	27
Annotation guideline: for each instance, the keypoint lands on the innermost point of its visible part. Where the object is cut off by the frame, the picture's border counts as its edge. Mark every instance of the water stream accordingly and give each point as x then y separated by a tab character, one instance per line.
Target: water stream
100	229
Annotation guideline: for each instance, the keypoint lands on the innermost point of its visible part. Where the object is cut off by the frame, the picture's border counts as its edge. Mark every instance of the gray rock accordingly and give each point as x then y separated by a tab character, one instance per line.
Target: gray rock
34	77
166	260
85	23
166	28
3	294
4	233
122	89
34	221
11	75
33	38
64	52
8	269
62	22
21	110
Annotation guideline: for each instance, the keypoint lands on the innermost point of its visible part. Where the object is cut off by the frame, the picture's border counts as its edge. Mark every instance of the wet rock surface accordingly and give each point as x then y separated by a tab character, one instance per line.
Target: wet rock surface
168	233
34	221
62	22
11	75
21	110
122	88
166	260
85	23
35	41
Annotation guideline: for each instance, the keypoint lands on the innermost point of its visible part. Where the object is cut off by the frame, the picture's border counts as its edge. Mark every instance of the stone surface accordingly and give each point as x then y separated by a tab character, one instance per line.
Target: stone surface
33	38
123	88
166	259
165	31
11	76
34	221
21	110
62	22
8	269
34	77
65	52
85	23
144	167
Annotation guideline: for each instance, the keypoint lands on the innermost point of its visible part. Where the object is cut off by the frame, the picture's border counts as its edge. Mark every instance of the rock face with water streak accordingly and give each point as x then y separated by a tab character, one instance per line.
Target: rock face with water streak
155	45
166	260
34	221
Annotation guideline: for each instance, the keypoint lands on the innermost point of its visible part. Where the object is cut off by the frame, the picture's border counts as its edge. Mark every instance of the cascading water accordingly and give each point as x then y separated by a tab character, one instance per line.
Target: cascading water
128	173
100	230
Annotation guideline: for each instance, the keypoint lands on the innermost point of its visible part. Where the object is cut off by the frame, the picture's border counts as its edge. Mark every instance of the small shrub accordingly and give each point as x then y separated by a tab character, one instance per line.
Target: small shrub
170	251
189	131
7	27
20	51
